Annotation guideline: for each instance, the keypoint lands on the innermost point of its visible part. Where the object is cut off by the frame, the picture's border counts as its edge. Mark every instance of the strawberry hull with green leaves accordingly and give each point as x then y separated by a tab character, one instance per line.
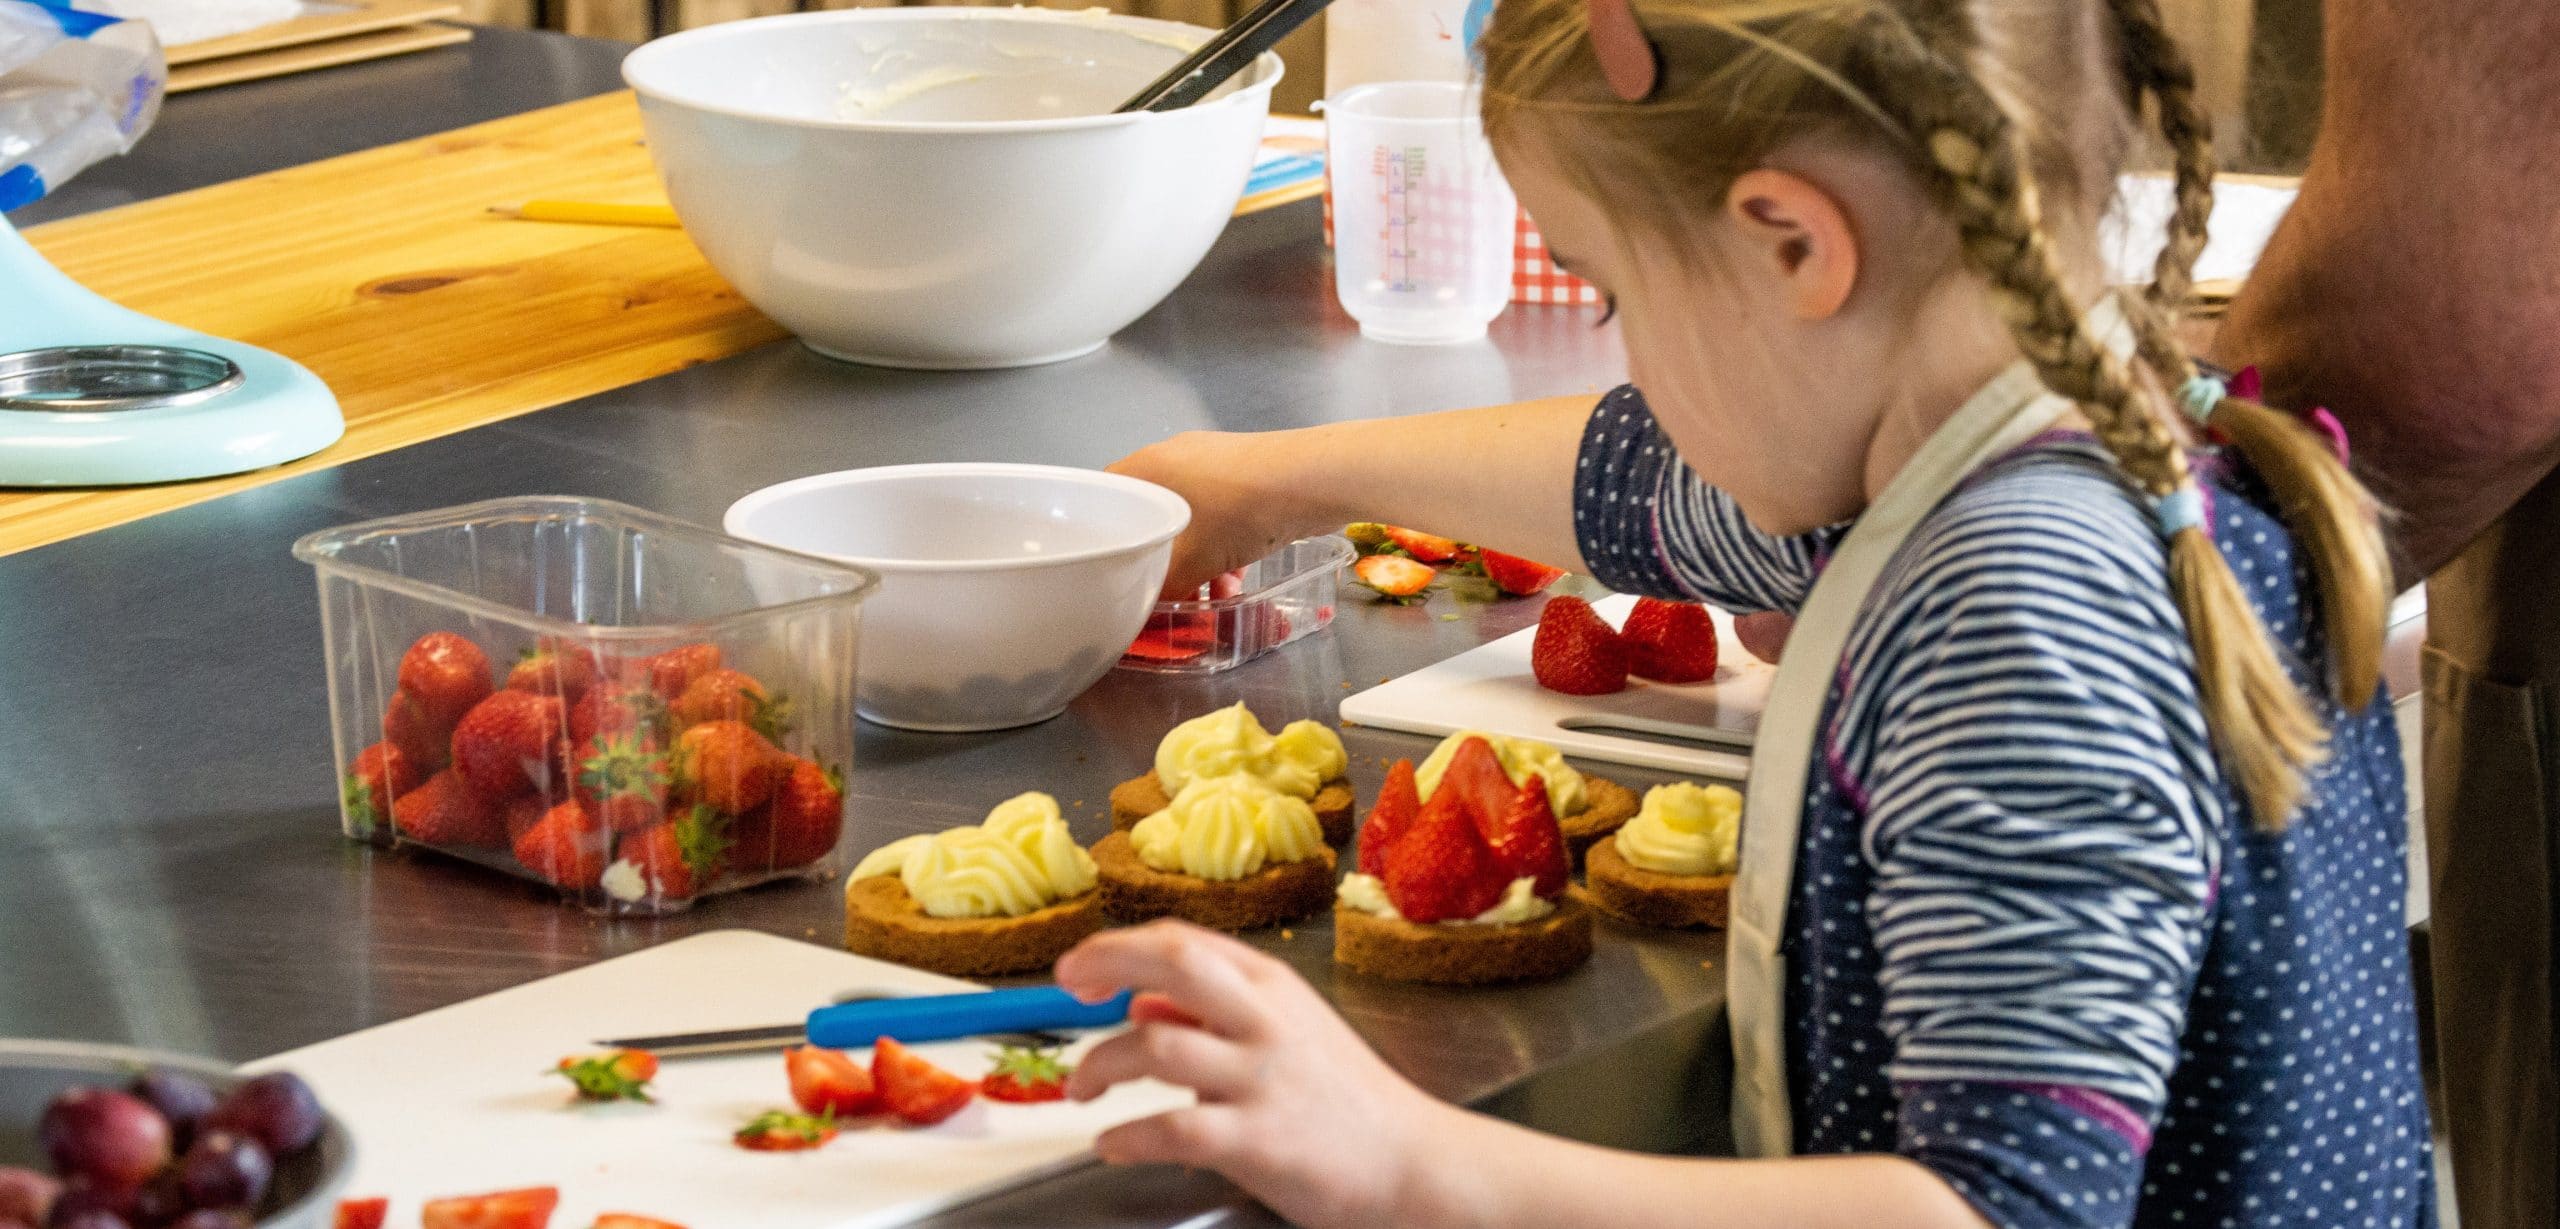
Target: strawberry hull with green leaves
629	781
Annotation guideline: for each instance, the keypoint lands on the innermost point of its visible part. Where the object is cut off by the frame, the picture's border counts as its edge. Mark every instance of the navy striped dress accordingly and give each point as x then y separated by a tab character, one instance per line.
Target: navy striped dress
2036	943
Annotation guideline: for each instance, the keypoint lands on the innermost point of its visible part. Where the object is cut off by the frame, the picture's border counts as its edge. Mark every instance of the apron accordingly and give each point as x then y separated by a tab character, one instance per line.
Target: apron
2014	407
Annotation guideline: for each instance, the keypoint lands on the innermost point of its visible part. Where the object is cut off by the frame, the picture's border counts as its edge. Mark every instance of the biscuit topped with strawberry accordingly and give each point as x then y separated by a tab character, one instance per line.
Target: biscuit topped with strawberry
1465	888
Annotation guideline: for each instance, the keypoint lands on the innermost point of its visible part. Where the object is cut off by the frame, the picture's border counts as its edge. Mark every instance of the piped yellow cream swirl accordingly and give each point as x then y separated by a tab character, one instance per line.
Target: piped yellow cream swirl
1684	829
1521	759
1019	861
1226	828
1297	761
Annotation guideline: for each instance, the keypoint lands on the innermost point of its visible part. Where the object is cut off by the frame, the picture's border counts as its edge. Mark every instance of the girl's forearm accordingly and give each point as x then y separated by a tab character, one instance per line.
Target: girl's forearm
1501	476
1500	1174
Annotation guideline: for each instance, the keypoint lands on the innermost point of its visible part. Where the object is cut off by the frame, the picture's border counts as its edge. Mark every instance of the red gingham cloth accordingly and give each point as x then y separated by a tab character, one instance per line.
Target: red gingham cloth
1534	278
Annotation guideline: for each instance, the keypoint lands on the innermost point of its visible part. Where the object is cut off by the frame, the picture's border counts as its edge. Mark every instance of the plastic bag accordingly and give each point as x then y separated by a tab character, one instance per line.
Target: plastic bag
76	87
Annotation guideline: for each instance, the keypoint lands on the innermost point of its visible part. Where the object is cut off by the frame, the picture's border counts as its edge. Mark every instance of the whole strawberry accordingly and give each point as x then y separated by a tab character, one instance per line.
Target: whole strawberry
1441	871
1670	642
566	847
728	765
731	695
420	736
671	672
522	812
511	743
446	674
623	779
554	668
1576	651
798	825
444	811
679	858
1399	804
380	773
615	708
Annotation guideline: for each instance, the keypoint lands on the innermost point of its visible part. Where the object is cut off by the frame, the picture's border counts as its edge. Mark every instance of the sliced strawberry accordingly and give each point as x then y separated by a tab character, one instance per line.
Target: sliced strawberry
424	740
732	695
554	668
615	1075
1399	802
623	779
444	811
514	742
784	1131
631	1220
566	847
446	674
1176	637
728	765
1527	843
1441	871
1393	575
1670	642
827	1082
529	1208
1476	774
677	859
797	826
1517	576
367	1213
1026	1074
1576	652
669	673
915	1089
1429	548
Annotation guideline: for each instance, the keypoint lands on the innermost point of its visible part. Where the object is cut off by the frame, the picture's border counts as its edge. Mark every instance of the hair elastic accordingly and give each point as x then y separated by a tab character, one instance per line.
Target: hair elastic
2200	394
1628	58
2180	509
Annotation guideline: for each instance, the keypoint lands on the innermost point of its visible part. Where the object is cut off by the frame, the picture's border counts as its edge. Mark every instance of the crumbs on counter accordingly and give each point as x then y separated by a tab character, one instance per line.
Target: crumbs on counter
1287	935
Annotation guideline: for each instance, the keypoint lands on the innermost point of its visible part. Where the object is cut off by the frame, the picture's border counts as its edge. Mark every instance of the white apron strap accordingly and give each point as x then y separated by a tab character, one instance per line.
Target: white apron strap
2008	411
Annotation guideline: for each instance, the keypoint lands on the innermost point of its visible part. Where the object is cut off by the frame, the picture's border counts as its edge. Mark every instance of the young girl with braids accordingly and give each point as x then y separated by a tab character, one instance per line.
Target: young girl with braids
2077	899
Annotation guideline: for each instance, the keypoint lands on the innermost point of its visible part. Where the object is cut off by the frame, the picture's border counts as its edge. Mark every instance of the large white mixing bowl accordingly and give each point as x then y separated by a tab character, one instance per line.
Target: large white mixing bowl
945	187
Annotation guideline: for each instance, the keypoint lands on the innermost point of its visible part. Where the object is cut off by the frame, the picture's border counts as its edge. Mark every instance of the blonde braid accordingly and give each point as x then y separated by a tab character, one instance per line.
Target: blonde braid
2263	727
2335	518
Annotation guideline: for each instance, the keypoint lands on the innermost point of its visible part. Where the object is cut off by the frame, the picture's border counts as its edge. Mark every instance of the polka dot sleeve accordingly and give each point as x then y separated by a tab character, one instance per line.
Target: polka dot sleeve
2028	1157
1648	524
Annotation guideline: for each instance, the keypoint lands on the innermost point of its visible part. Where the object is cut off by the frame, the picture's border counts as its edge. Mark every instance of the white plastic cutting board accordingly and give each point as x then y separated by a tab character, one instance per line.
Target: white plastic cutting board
456	1102
1490	688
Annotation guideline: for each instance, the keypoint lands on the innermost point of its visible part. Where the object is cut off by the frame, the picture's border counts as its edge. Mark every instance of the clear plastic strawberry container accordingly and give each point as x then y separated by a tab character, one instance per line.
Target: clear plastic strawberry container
632	711
1283	597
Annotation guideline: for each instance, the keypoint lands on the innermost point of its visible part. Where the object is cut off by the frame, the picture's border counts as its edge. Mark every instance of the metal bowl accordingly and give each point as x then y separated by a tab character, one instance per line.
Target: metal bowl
32	1073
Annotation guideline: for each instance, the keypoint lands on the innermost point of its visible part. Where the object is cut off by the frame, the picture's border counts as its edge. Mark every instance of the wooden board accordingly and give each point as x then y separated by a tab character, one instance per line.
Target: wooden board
304	57
454	1101
384	273
1490	688
320	21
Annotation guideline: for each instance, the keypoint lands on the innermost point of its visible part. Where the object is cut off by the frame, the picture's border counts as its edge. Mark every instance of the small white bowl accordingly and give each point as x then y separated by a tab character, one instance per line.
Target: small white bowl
945	187
1005	590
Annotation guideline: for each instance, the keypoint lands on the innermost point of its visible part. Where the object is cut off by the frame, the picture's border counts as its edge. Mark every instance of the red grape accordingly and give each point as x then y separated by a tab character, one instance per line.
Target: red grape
107	1136
159	1201
25	1195
223	1170
212	1218
181	1098
88	1218
276	1109
84	1206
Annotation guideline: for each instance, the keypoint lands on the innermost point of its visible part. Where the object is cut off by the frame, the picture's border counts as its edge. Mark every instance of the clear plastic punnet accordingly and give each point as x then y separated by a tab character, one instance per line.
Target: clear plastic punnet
632	711
1283	597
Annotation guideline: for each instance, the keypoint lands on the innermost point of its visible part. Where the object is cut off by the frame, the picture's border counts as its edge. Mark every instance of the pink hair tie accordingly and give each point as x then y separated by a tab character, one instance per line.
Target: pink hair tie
2330	428
1629	61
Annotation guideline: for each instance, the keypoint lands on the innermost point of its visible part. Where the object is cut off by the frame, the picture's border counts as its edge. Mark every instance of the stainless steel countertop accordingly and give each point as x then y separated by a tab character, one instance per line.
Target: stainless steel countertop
173	873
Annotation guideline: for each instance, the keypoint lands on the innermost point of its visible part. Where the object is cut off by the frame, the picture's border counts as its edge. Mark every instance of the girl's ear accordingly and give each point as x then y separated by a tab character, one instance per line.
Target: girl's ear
1804	233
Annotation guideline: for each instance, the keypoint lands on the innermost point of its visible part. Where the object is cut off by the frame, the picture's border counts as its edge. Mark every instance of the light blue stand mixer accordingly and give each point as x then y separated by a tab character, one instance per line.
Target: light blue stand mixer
93	394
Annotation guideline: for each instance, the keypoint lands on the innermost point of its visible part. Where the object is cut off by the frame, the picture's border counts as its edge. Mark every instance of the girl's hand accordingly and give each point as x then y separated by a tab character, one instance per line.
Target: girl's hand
1294	1107
1237	514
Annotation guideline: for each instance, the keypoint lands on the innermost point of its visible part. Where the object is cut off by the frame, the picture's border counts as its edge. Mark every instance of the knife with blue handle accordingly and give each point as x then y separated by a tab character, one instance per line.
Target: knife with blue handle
932	1017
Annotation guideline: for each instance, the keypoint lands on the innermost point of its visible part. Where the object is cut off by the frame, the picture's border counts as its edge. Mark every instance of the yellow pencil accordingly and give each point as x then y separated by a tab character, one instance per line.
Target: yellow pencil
592	212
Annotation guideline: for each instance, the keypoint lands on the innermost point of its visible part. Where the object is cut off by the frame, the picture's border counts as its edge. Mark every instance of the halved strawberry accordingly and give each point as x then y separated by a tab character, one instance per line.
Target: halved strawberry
446	674
1575	651
529	1208
1026	1074
615	1075
1517	576
1527	843
1670	642
566	847
511	743
1441	870
1476	774
1399	803
444	811
797	826
784	1131
1393	575
623	779
1427	547
554	668
631	1220
368	1213
732	695
669	673
728	765
913	1088
381	773
827	1082
676	859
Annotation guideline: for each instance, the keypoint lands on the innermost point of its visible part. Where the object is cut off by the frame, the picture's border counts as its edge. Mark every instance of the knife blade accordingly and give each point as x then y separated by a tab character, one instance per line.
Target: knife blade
932	1017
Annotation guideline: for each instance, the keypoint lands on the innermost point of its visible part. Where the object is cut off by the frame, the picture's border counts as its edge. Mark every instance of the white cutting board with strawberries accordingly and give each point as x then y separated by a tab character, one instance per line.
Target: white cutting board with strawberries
1491	688
456	1101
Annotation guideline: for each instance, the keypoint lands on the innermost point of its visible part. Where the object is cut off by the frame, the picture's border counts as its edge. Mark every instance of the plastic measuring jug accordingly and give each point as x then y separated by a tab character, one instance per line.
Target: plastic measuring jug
1422	216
